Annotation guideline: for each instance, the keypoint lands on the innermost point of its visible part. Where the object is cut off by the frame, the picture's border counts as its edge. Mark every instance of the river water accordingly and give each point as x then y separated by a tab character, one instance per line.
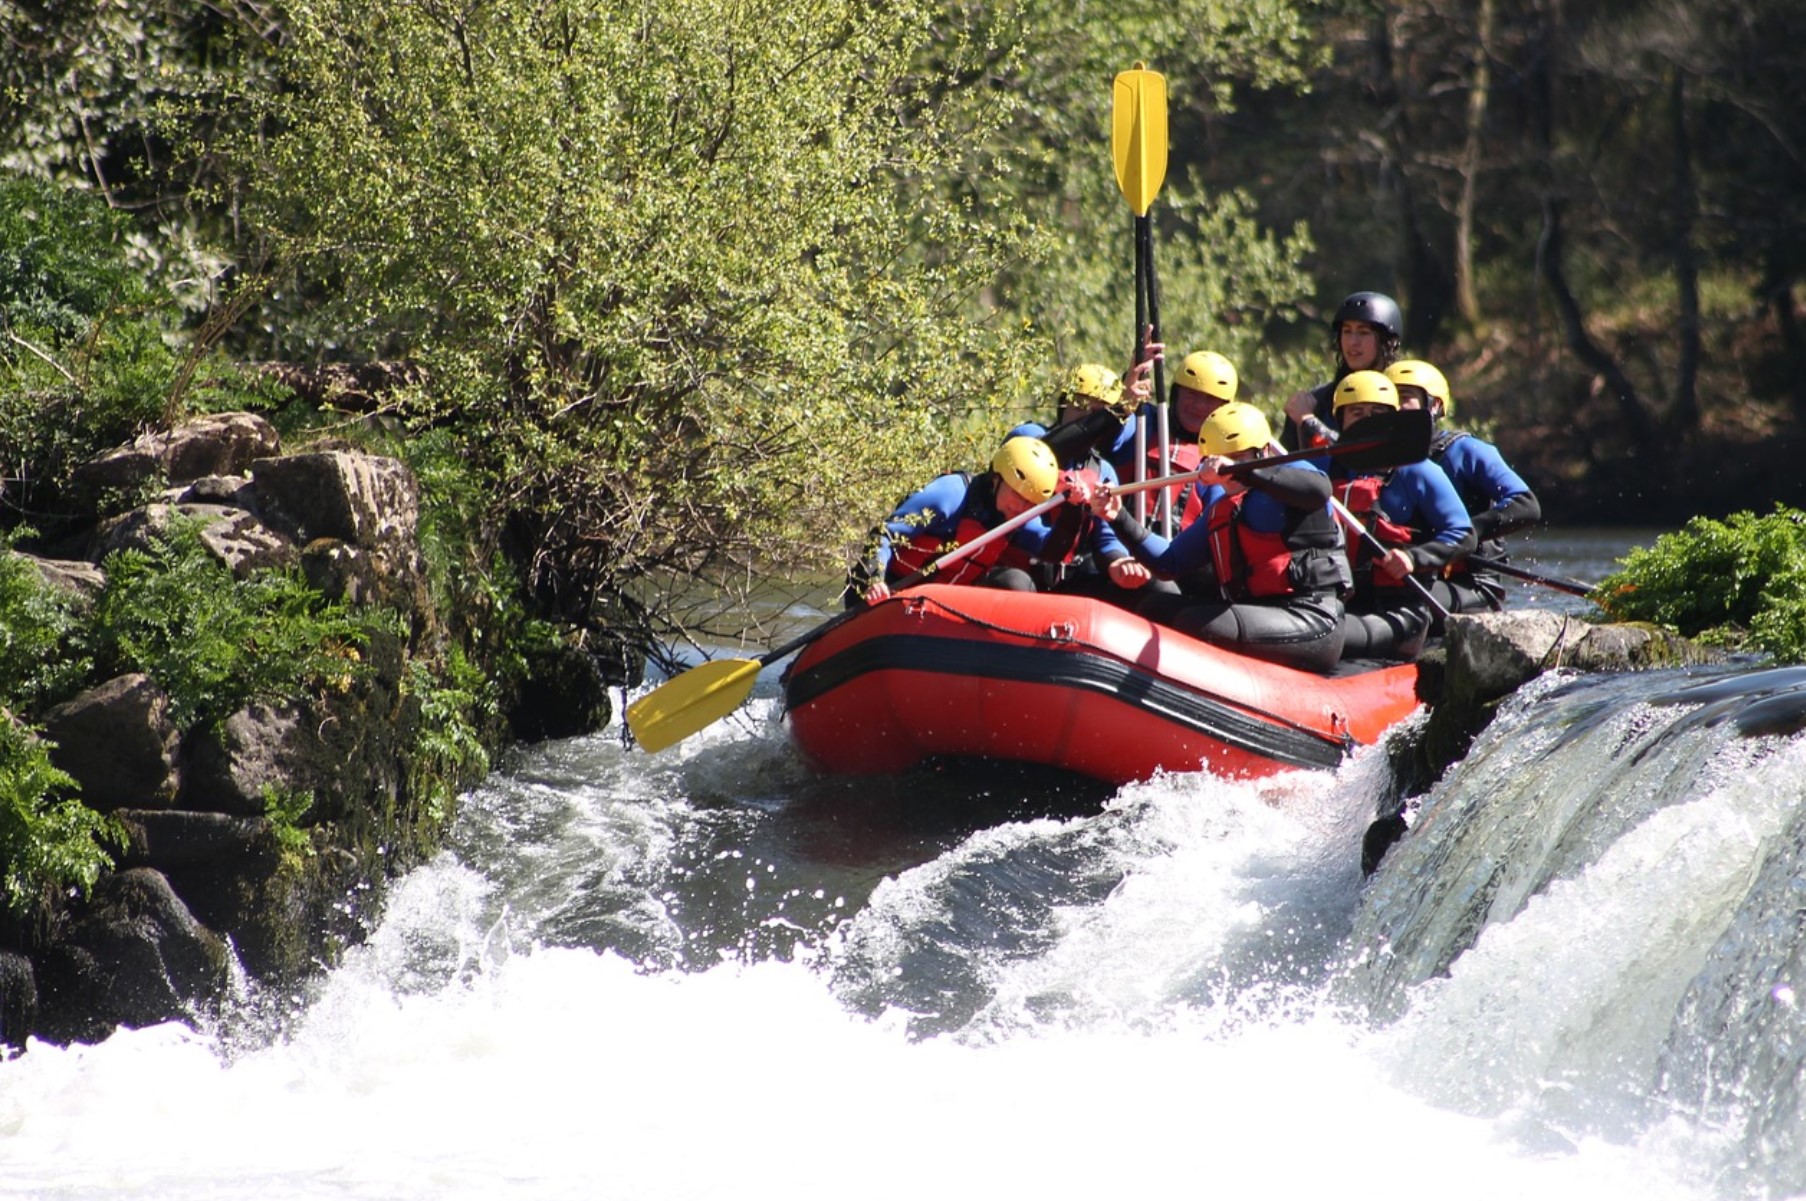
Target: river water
710	974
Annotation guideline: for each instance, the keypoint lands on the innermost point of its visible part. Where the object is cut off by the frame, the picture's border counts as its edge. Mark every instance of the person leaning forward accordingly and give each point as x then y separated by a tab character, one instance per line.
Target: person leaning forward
954	509
1263	569
1092	396
1204	381
1414	513
1496	498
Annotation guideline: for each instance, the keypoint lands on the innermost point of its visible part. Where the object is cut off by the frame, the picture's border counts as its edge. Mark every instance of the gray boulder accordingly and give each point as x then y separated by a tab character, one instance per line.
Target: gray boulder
119	743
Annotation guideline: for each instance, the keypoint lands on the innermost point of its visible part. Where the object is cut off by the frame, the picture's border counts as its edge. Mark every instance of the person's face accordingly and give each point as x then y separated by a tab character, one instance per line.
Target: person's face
1193	407
1410	396
1352	415
1360	344
1010	502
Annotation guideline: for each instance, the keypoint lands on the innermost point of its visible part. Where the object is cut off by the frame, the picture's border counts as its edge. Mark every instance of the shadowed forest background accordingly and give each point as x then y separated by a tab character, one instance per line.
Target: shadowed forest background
663	301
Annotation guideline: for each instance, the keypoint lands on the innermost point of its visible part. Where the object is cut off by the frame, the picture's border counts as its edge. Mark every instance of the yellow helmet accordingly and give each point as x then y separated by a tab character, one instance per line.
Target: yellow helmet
1208	372
1365	387
1028	466
1094	381
1233	428
1419	374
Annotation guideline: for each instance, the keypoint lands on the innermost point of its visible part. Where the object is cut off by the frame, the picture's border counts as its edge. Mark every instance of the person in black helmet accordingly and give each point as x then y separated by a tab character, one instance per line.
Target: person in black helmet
1364	335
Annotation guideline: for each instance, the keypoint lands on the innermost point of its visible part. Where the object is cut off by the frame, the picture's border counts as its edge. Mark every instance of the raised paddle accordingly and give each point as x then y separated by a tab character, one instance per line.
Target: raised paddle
1389	439
704	695
1138	144
1574	587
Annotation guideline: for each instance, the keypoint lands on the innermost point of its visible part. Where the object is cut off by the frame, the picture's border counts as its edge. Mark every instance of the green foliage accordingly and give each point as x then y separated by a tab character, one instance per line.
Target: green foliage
663	261
46	844
704	284
83	361
39	660
448	754
1735	582
213	642
285	807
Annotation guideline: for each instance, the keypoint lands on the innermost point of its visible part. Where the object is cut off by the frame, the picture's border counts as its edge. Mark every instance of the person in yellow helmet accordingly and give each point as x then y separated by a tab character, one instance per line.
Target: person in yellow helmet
1415	515
1496	497
1263	569
1204	381
955	508
1091	409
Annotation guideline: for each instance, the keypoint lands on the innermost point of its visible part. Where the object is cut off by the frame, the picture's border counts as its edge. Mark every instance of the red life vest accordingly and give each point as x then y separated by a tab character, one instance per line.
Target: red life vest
911	554
1362	498
1249	563
1188	498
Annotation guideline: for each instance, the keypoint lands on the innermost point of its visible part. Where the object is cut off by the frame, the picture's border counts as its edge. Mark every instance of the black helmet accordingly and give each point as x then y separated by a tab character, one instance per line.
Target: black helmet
1375	308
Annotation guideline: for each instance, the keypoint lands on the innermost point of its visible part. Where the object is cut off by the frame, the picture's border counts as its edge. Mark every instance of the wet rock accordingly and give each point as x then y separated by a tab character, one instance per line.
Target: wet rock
119	743
1490	655
18	999
134	956
568	696
180	838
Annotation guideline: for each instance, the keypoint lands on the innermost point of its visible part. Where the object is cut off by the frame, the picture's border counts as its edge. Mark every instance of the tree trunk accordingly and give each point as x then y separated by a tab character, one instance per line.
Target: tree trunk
1641	424
1685	418
1467	300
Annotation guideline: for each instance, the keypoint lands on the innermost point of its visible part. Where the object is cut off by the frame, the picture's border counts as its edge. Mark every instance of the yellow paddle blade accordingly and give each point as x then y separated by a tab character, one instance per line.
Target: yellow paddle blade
1138	136
699	697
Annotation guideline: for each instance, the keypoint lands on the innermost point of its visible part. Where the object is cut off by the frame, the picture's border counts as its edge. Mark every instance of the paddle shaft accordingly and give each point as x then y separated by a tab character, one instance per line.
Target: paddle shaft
1406	445
1379	548
1573	587
1002	530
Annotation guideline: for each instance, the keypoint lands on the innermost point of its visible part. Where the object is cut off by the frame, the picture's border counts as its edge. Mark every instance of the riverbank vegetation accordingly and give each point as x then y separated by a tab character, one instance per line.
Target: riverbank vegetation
666	302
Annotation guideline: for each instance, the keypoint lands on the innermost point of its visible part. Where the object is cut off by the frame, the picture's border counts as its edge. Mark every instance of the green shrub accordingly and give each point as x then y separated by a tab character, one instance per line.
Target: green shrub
86	360
39	664
47	842
1739	582
215	643
448	753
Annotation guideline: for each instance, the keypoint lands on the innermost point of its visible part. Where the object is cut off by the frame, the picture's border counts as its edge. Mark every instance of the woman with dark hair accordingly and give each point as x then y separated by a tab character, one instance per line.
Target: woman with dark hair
1364	335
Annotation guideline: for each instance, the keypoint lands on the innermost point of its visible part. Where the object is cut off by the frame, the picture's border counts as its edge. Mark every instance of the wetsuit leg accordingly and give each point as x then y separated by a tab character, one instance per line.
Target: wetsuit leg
1304	632
1101	587
1014	579
1394	632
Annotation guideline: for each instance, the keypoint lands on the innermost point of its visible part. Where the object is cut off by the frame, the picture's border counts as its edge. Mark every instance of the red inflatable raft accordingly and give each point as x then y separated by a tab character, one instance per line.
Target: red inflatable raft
948	671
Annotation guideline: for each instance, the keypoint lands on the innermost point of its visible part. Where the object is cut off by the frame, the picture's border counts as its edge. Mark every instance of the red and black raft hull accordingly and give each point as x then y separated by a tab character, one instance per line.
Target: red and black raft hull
1067	682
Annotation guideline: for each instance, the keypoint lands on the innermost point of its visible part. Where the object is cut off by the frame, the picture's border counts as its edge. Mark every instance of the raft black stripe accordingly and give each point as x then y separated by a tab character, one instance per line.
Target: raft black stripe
1095	673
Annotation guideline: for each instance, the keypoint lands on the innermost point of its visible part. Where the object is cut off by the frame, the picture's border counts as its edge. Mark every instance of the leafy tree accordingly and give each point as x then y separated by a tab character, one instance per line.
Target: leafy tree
679	272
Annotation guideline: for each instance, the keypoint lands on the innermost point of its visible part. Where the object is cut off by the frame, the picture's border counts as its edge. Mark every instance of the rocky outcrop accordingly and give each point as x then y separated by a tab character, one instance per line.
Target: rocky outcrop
1486	657
208	867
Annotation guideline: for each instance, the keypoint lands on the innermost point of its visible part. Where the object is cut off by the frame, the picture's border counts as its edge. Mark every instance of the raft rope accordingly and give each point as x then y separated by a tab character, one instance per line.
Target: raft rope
1066	634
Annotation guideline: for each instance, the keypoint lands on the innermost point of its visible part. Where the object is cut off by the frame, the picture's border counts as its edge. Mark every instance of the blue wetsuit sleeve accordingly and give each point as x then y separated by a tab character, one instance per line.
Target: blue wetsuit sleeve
1433	506
934	511
1480	473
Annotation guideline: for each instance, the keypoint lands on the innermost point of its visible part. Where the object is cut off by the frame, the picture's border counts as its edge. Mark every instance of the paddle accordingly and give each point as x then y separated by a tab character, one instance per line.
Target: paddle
1379	548
1574	587
704	695
1138	145
1389	439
